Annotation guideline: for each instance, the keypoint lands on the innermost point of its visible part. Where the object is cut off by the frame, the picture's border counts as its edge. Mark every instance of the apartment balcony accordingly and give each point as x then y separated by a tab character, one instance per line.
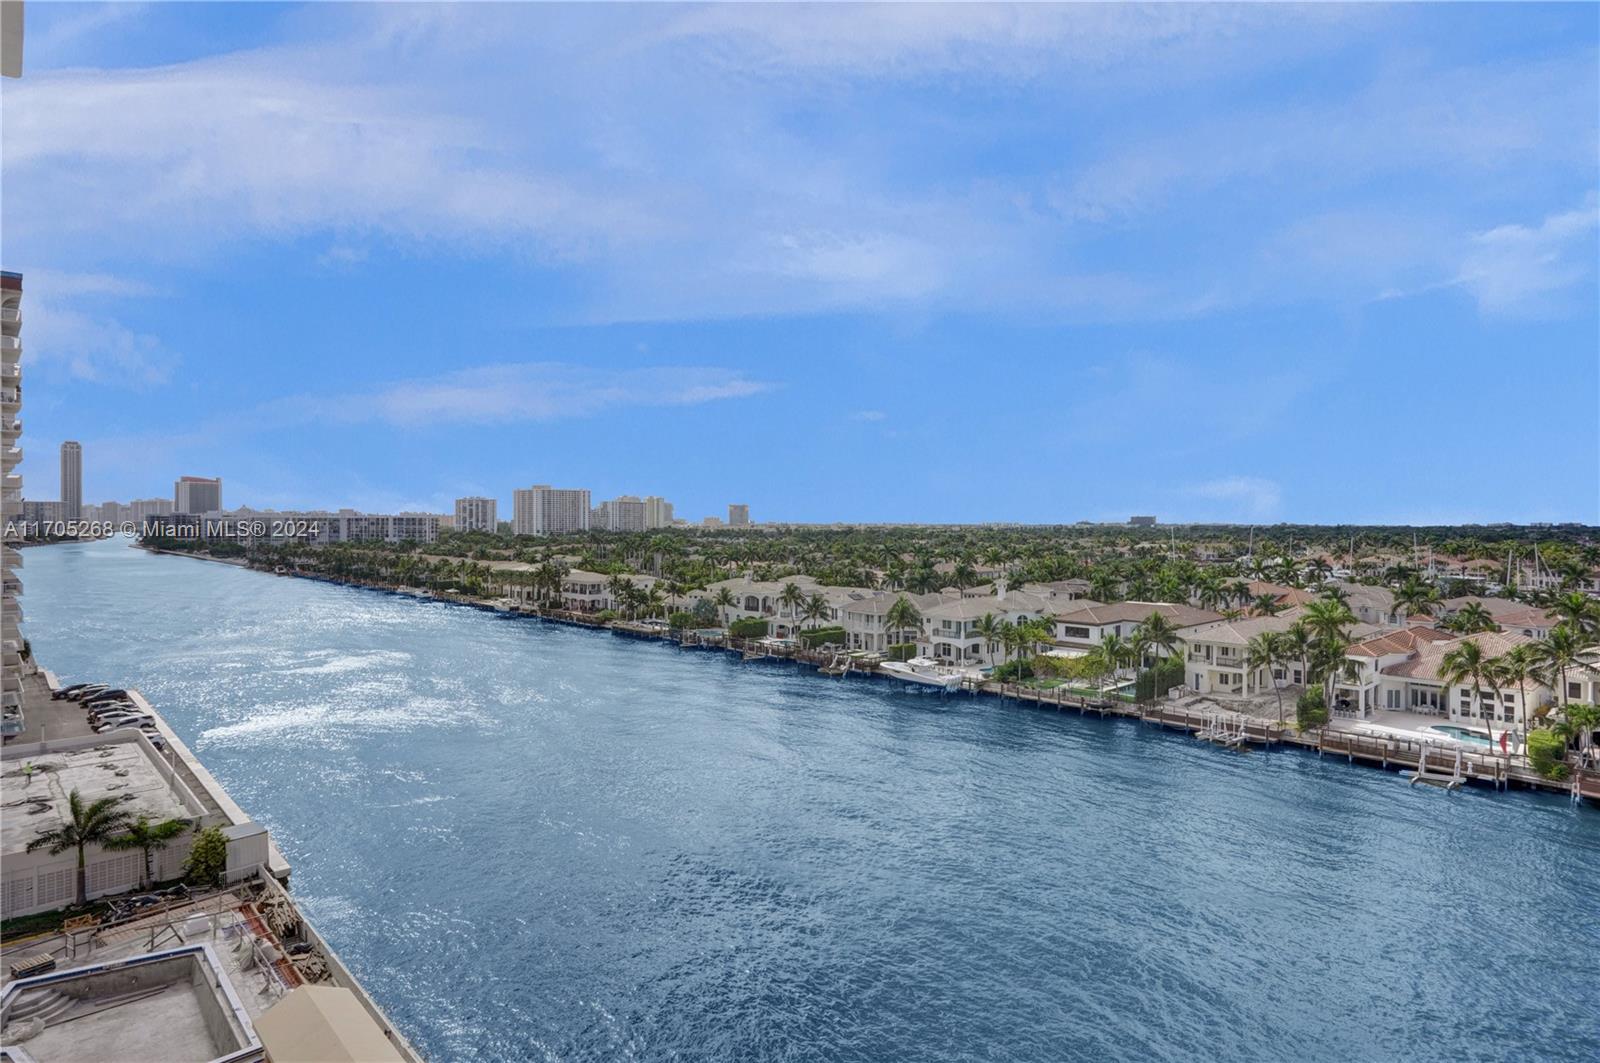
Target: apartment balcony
10	433
10	458
10	315
10	373
10	343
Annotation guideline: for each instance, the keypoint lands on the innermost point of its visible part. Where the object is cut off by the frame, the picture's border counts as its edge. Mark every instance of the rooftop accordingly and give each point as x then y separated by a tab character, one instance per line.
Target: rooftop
34	790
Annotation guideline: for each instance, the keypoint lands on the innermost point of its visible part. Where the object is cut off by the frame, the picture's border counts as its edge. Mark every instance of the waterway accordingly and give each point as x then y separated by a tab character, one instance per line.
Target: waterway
532	841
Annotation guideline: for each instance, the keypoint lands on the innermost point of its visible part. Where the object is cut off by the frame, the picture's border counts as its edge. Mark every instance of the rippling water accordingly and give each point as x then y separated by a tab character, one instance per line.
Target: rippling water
537	842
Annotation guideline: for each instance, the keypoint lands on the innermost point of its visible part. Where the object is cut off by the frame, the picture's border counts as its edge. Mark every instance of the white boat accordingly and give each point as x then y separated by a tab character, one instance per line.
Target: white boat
925	671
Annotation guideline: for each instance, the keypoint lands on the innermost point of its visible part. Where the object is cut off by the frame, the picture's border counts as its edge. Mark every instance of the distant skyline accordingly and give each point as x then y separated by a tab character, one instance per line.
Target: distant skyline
955	264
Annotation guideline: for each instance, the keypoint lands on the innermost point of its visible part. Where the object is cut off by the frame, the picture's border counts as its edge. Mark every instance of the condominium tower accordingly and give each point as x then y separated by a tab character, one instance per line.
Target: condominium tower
71	480
738	515
624	514
657	513
476	514
10	500
197	494
545	510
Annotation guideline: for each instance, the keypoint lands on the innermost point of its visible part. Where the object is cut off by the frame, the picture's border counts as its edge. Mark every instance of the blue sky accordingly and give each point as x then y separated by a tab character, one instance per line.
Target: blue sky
948	263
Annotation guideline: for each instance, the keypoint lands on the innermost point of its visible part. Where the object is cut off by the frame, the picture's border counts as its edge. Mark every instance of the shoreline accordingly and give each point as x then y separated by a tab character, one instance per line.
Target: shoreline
1393	755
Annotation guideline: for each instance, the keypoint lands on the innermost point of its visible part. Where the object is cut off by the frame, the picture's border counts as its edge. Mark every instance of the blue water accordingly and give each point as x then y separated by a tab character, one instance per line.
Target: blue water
537	842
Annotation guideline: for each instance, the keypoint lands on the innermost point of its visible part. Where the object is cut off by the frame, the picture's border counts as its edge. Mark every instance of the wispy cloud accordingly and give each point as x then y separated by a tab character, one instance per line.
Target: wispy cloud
1518	269
74	329
868	415
538	391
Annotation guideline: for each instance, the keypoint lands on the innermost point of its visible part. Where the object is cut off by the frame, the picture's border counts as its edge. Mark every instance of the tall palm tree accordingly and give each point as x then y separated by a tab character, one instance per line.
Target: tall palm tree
1157	633
1415	598
724	600
149	837
1471	619
1466	665
86	825
1518	665
1297	643
1113	651
1265	605
902	616
988	629
816	609
795	598
1579	612
1560	650
1265	651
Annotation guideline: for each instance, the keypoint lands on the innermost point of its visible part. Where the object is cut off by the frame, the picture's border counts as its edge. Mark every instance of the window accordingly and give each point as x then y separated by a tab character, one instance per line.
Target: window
1574	691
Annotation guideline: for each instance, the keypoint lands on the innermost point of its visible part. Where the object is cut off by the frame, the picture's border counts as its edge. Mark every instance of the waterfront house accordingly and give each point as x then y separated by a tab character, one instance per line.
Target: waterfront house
950	630
1081	625
1401	671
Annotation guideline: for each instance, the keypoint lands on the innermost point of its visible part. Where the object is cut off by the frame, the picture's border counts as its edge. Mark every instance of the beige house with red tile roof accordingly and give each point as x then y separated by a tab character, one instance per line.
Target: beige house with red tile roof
1402	671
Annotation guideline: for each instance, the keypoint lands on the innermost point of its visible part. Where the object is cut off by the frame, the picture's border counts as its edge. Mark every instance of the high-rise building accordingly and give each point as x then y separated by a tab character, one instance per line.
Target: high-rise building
197	494
11	515
71	480
476	514
112	512
738	515
622	514
545	510
142	509
657	513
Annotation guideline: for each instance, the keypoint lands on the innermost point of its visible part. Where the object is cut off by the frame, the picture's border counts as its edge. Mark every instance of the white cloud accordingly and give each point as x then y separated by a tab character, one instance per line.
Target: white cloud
69	329
868	415
1248	496
1517	269
539	391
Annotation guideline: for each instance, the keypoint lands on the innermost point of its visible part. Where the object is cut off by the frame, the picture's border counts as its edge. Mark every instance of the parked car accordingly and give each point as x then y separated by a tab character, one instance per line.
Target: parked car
67	692
117	725
87	691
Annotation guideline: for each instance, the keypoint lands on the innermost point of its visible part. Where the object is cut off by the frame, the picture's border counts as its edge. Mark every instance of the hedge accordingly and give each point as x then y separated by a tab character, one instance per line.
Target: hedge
1547	751
821	635
902	651
748	628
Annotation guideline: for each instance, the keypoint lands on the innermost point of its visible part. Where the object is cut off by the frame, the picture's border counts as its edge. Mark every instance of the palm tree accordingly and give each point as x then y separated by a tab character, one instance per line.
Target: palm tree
1156	633
1579	612
902	617
1266	651
86	825
1467	666
1113	651
724	600
817	609
149	837
1558	652
988	629
1471	619
1415	598
795	598
1297	643
1518	666
1265	605
963	576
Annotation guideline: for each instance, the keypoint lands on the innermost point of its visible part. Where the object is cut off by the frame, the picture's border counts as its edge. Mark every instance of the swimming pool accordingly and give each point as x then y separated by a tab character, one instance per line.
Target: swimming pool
1461	734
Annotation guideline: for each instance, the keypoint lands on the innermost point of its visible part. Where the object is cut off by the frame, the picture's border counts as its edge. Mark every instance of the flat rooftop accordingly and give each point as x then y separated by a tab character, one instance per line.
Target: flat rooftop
34	790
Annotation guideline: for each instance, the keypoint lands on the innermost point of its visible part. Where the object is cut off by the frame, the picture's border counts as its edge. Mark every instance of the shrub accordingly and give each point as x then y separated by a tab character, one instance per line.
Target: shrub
705	614
1547	751
1153	683
902	651
819	636
208	858
1310	710
681	621
1013	671
748	628
605	616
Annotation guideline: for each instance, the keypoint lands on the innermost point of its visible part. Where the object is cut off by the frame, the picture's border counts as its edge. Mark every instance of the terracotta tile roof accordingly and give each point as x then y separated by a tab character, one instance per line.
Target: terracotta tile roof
1410	640
1427	663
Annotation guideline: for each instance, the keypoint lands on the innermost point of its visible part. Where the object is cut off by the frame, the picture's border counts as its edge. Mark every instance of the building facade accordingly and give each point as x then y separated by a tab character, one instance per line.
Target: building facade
623	514
71	480
11	503
197	494
738	515
657	513
545	510
476	514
